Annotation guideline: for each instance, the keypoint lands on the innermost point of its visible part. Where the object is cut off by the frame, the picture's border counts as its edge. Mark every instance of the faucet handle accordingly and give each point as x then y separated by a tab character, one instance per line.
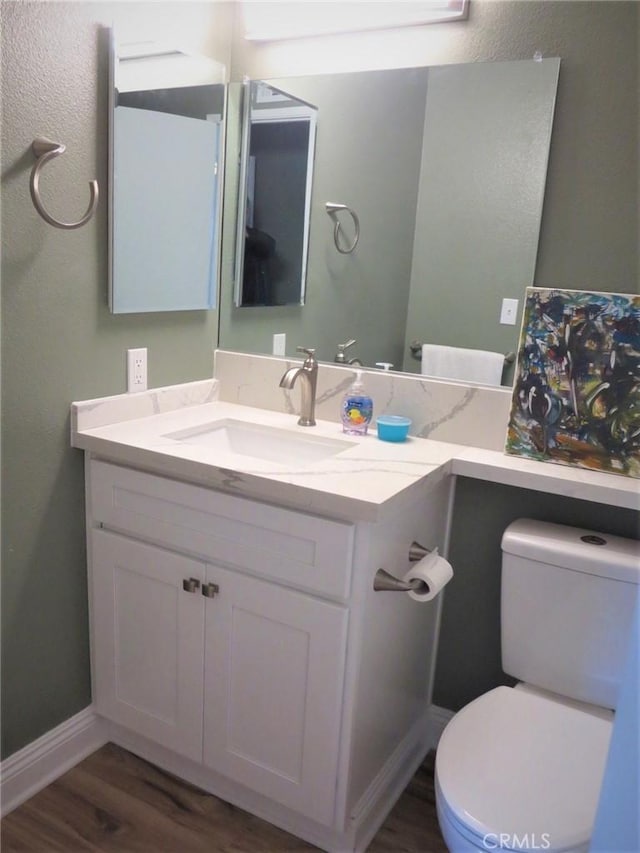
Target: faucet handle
310	351
346	345
340	356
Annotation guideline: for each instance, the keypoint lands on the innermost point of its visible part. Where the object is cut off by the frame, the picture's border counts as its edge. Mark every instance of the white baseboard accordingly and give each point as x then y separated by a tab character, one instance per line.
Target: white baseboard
32	768
371	810
438	719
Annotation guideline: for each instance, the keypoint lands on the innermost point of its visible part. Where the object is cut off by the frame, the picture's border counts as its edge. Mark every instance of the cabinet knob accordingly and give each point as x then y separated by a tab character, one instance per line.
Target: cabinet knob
190	584
210	590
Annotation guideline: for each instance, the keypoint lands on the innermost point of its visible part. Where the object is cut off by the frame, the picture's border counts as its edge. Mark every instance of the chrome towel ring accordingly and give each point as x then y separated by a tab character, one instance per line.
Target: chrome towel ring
45	150
332	209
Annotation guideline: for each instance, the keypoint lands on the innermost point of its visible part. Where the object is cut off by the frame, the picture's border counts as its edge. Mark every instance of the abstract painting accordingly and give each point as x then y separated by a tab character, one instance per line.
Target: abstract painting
576	393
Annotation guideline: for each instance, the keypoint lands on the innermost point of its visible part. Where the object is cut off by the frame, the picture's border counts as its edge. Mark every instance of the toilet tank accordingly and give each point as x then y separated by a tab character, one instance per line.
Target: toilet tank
567	603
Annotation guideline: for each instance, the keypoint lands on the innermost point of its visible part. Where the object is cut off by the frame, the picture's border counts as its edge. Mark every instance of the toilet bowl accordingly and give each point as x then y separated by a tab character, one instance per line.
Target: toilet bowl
520	768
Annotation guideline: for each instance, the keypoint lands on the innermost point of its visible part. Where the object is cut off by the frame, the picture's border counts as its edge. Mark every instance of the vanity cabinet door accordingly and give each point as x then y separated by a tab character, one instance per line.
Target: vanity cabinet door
274	668
148	632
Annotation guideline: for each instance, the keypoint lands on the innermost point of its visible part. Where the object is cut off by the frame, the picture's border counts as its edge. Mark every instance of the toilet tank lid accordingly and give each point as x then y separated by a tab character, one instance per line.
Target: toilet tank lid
574	548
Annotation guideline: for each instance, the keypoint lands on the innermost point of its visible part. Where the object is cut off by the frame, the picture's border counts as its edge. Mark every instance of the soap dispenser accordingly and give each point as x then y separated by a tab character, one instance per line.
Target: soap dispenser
357	408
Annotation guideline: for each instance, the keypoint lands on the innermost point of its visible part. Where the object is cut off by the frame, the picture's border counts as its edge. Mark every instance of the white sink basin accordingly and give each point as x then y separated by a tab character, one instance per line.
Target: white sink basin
257	441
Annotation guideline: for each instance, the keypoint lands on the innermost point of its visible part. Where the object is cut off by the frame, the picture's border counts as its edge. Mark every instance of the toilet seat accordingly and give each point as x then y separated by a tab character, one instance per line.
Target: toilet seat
522	767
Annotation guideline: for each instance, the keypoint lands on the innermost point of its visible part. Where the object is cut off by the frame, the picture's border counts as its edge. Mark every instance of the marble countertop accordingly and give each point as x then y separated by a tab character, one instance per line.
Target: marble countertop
598	487
366	478
362	483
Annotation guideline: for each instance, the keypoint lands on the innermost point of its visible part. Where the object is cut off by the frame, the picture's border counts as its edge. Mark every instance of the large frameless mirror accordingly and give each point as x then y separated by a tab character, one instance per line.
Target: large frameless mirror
274	197
166	156
445	168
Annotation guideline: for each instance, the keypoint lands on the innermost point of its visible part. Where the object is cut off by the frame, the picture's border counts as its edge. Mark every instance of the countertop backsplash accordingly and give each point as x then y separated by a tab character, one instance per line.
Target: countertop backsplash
440	410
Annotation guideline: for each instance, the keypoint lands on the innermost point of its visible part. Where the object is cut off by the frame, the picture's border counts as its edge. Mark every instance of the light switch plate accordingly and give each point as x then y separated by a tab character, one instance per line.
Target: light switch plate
509	312
279	344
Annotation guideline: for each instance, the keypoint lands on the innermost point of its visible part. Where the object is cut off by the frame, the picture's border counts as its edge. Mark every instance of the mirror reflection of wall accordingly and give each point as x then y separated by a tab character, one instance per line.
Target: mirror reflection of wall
166	156
446	170
274	198
483	172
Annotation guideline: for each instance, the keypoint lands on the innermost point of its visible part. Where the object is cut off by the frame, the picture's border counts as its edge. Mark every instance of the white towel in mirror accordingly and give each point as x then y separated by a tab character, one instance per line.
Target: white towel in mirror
466	365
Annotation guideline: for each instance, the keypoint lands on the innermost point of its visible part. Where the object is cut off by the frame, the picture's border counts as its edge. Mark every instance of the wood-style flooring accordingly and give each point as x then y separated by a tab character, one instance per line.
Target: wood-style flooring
118	803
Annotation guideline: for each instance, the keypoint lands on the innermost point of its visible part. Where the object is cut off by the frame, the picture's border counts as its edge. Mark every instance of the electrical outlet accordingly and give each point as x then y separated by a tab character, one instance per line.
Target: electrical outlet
137	369
509	312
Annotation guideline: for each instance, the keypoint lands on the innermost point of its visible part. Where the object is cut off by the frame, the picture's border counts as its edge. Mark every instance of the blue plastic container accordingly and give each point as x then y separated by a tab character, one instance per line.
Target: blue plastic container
392	427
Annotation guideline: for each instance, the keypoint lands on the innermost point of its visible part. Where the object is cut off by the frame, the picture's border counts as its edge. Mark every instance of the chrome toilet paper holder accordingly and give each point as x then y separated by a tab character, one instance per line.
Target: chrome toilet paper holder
384	581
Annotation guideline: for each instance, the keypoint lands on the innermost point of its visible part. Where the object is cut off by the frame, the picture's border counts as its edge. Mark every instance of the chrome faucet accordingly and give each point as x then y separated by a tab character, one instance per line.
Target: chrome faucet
308	375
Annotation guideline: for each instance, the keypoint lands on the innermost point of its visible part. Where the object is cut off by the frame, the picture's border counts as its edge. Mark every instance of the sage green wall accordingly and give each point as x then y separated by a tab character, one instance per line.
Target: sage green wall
60	344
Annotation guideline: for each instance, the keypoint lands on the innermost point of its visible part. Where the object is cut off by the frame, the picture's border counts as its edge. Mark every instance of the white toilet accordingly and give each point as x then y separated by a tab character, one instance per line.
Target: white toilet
520	768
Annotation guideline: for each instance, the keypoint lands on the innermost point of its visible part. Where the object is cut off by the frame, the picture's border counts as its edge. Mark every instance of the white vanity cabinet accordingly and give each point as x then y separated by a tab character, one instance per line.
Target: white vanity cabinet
242	646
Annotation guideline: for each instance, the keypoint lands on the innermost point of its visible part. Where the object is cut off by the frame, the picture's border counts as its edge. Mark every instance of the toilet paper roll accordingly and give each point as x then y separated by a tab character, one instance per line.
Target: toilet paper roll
434	571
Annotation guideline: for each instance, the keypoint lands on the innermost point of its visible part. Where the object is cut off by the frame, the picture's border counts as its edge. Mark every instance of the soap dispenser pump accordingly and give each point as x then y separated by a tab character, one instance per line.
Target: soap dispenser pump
357	408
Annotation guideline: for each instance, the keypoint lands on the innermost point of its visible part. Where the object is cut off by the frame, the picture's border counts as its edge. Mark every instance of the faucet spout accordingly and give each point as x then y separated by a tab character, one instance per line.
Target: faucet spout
289	378
308	376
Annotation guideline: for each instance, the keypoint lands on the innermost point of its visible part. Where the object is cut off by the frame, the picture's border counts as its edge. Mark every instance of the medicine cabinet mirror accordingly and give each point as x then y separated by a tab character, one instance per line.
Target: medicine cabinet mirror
167	111
274	197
